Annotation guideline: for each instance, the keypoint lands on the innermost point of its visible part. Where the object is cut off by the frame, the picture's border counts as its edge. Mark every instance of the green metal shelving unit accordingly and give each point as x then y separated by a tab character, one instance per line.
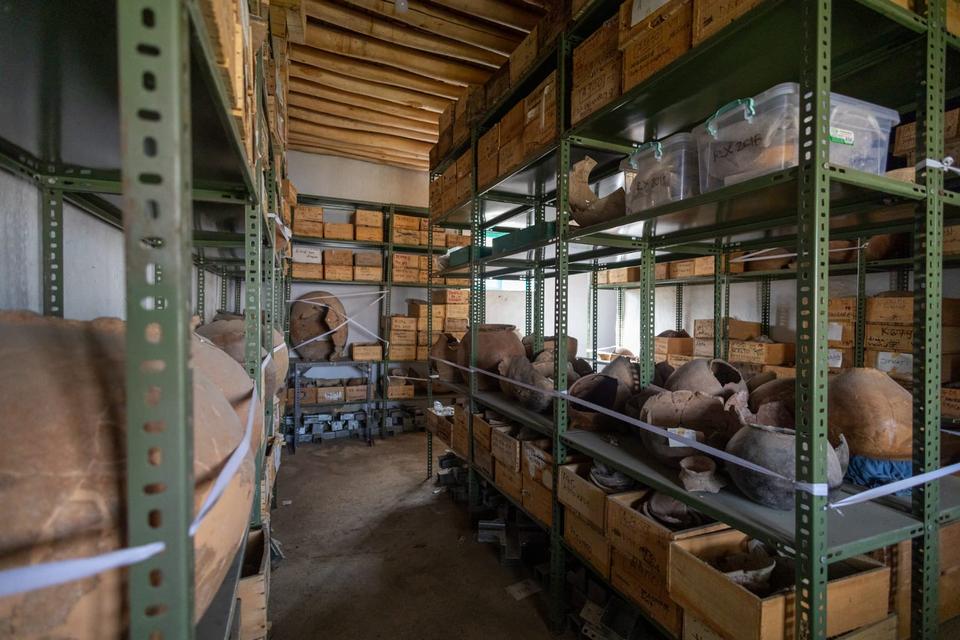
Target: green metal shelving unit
862	48
168	130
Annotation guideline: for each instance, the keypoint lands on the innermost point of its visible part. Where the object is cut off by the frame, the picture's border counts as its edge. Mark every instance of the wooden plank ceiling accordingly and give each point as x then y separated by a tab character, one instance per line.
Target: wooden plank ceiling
370	78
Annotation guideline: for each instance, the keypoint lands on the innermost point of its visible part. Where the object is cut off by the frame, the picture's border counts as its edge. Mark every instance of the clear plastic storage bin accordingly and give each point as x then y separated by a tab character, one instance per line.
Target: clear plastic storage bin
755	136
662	172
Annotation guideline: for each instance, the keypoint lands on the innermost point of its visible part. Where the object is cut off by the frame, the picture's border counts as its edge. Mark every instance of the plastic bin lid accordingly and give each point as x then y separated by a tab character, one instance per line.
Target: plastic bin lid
668	143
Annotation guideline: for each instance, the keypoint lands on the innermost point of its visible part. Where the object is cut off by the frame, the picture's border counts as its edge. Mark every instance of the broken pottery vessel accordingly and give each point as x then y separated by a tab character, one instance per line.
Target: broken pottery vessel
712	377
495	342
519	368
314	314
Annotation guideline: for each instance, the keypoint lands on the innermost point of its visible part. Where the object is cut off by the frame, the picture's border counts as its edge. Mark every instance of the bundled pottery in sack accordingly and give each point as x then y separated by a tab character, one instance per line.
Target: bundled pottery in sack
548	345
873	412
230	335
775	449
495	343
712	377
65	472
598	389
519	368
586	207
690	414
315	314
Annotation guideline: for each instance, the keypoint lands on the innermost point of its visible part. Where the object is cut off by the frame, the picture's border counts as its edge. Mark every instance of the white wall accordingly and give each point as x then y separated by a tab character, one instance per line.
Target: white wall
336	177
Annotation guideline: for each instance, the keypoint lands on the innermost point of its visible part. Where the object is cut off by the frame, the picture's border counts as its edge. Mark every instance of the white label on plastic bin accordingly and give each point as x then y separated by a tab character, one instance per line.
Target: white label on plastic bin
888	361
834	358
841	136
683	433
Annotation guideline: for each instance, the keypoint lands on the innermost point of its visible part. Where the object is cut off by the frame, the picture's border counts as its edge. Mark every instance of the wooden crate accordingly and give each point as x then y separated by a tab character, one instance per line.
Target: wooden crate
673	346
402	323
537	499
338	272
368	274
580	495
356	392
338	257
367	259
481	432
711	16
735	329
338	231
367	218
307	228
760	352
363	352
508	480
664	36
587	541
403	352
307	271
253	589
329	394
506	447
398	391
369	234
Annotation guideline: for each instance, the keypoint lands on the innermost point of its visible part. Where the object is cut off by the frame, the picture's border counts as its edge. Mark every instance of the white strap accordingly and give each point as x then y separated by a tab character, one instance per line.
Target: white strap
945	165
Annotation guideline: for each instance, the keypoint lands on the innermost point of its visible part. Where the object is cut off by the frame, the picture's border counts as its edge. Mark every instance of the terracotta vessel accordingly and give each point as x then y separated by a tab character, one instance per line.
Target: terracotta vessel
838	256
627	375
701	414
769	260
598	389
873	412
772	403
712	377
662	372
548	345
495	342
65	474
888	245
586	207
314	314
775	449
446	348
519	368
545	366
230	335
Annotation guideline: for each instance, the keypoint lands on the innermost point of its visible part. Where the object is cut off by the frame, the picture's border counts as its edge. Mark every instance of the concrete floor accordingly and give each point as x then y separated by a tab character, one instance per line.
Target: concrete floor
372	552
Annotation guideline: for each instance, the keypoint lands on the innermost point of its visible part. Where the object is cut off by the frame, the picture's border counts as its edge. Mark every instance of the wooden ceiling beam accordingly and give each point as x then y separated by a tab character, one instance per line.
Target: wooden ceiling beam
309	115
357	155
365	138
320	105
388	31
405	97
449	24
362	70
363	101
310	138
373	50
496	11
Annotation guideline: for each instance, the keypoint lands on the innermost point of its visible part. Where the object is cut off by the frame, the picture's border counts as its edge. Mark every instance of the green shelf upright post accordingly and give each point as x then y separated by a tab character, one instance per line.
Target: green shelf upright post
51	229
223	290
621	312
201	288
765	306
153	51
678	308
253	259
813	224
860	329
647	311
430	366
476	314
927	318
594	313
719	325
236	296
538	277
385	305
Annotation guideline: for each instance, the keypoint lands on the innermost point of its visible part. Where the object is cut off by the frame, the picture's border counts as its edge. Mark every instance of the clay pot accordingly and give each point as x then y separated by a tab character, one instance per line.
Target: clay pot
65	486
761	378
314	314
582	367
635	404
700	413
519	368
230	335
712	377
837	256
699	473
662	372
495	342
545	366
772	403
627	375
773	260
873	412
446	347
600	390
548	345
586	208
671	513
775	449
887	245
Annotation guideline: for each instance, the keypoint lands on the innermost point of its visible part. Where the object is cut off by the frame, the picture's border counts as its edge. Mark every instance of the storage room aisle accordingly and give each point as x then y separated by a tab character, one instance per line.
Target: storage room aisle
373	552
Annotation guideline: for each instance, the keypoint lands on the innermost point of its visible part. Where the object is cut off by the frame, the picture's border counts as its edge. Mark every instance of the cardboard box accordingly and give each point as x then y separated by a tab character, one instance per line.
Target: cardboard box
580	495
403	352
488	150
451	296
368	218
511	155
511	125
482	432
678	346
338	257
367	259
681	268
596	71
666	34
735	329
368	274
842	309
307	271
857	599
308	229
338	231
401	337
760	352
362	352
904	140
355	392
587	542
711	16
401	323
536	461
484	461
537	499
898	310
329	394
523	56
508	480
307	255
899	338
369	234
337	272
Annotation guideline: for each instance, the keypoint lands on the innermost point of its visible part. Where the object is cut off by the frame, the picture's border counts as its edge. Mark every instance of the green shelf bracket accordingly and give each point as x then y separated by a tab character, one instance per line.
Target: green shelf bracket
51	230
765	305
813	224
153	53
927	318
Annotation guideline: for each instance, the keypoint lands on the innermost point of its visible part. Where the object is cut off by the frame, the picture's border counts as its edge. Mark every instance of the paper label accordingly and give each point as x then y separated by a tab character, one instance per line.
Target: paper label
888	361
835	331
841	136
683	432
643	8
835	358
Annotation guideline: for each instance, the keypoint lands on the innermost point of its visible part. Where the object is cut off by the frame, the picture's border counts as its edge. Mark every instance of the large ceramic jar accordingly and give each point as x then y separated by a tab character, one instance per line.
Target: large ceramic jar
495	342
873	412
315	314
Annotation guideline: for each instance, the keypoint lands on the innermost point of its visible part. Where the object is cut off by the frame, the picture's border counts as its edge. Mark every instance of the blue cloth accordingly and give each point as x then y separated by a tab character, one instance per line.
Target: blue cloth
874	472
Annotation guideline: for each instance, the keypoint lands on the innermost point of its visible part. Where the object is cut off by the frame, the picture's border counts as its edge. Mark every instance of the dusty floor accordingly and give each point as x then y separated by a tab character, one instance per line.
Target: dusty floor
371	552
